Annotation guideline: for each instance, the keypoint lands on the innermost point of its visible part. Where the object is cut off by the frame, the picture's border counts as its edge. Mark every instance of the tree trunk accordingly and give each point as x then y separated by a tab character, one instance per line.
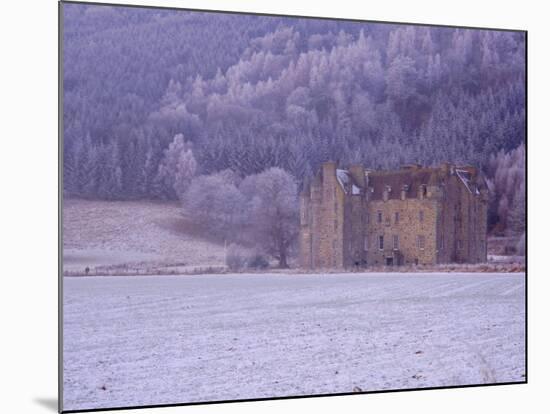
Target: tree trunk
282	260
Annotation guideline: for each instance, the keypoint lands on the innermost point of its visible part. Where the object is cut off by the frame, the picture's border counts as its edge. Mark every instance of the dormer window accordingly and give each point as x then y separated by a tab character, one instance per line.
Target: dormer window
404	190
387	191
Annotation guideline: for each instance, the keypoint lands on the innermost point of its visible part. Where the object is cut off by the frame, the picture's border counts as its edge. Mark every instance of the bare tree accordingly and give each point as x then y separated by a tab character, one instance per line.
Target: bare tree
273	205
216	204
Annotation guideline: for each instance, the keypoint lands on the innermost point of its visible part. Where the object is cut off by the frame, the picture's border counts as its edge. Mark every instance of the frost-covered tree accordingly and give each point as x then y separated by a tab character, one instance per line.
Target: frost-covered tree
273	208
109	176
506	180
216	204
186	168
177	168
254	92
517	213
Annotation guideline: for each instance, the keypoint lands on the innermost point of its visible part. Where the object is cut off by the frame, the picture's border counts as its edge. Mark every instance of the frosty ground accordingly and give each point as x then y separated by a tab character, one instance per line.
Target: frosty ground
161	340
137	234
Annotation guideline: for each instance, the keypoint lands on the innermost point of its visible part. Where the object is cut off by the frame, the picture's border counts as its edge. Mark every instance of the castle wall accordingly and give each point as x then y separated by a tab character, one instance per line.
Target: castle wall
355	228
451	218
305	239
322	235
464	225
408	228
481	230
476	231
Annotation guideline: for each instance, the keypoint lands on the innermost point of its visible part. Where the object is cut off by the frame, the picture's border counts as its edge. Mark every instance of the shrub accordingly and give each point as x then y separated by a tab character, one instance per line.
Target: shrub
235	257
510	250
257	261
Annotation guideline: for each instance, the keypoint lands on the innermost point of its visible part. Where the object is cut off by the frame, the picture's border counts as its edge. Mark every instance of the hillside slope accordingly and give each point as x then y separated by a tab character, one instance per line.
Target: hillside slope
144	235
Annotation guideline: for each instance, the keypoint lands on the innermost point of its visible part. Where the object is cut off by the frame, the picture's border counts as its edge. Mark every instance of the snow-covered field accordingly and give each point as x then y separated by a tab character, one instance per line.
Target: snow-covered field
161	340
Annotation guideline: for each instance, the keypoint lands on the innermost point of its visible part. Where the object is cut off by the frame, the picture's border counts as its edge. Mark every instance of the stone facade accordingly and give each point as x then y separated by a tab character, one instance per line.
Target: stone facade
354	217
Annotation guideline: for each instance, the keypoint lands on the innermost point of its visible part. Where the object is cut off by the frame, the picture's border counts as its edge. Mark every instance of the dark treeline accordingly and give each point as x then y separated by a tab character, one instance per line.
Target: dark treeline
248	93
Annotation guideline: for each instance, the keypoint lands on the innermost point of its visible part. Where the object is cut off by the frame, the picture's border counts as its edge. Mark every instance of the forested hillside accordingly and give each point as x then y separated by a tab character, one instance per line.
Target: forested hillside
252	92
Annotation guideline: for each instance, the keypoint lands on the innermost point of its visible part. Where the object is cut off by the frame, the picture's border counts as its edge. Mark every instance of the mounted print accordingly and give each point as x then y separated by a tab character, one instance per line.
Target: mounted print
262	206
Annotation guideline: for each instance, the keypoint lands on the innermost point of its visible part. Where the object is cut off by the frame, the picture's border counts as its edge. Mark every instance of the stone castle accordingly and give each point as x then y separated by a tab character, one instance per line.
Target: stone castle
351	218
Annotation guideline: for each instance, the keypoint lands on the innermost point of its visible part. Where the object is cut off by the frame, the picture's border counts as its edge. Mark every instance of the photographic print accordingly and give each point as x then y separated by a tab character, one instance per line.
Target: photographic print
262	206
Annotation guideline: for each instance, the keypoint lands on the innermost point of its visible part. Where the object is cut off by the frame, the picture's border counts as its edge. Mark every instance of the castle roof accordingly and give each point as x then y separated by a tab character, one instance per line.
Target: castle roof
467	180
347	182
408	179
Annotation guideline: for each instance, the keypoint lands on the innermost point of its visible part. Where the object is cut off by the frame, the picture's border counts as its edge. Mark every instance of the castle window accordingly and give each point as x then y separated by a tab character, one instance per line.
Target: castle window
459	243
441	243
381	242
421	216
304	215
422	191
396	217
366	243
421	242
395	242
379	216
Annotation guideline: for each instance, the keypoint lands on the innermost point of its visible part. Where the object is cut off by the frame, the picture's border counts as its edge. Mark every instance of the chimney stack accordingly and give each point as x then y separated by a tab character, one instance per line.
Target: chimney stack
445	168
329	169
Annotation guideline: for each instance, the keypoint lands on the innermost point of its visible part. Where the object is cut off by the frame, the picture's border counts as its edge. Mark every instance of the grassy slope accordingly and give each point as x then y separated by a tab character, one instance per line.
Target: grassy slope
102	233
